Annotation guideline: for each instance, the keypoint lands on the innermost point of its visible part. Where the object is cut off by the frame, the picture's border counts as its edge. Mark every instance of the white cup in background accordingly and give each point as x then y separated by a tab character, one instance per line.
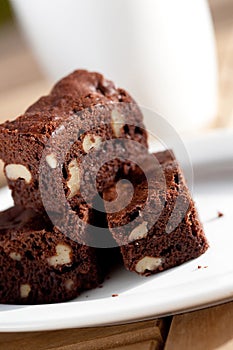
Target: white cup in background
161	51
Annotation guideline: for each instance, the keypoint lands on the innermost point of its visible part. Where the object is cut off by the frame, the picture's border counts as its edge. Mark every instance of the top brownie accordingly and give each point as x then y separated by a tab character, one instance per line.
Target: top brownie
61	139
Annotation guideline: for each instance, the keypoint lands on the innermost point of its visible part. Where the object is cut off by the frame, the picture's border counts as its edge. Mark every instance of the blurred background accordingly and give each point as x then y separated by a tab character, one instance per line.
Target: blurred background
25	74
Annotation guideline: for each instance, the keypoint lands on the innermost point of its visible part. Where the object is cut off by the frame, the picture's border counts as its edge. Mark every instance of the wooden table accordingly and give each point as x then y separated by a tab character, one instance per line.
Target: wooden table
208	329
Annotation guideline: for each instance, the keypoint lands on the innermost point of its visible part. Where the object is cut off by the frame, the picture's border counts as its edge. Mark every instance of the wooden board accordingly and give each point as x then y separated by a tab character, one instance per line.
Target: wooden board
209	329
149	335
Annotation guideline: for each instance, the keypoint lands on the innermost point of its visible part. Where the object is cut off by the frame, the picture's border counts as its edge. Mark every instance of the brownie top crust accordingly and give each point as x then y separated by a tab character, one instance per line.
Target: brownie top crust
15	219
79	90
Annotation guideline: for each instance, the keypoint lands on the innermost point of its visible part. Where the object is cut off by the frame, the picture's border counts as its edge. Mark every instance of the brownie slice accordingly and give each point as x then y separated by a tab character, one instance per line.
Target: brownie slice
84	127
159	228
39	264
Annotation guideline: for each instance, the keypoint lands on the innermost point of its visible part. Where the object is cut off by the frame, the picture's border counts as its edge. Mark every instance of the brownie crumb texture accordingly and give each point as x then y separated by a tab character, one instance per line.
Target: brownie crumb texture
43	263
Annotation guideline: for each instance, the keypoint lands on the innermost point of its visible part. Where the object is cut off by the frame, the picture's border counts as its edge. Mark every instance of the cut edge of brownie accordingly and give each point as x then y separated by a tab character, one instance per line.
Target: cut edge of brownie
39	264
173	239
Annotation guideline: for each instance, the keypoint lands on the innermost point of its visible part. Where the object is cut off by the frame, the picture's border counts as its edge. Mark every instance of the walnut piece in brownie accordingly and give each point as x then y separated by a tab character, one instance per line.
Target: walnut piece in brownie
39	264
152	241
82	111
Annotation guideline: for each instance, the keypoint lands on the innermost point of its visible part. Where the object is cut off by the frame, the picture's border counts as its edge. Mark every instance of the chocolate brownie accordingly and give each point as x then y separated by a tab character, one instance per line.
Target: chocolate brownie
84	124
39	264
159	228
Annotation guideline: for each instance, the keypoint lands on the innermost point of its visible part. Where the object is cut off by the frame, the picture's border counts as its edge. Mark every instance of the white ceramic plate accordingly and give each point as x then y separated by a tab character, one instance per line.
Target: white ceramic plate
177	290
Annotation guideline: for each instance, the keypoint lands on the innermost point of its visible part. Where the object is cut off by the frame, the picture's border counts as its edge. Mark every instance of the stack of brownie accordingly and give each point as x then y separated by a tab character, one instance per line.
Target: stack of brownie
85	143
